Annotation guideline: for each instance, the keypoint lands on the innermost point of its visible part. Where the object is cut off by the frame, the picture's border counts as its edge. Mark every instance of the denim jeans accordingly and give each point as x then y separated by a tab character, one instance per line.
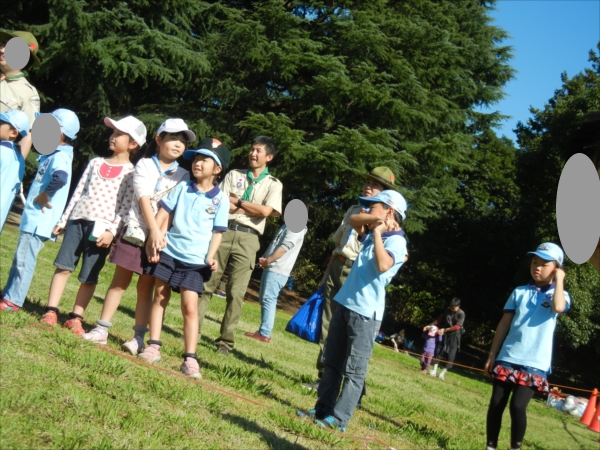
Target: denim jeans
347	352
23	266
271	284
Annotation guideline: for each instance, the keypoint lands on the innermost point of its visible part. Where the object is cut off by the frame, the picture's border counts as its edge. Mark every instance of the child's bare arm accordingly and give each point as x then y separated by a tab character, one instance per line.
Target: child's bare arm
559	303
215	241
382	258
361	221
501	332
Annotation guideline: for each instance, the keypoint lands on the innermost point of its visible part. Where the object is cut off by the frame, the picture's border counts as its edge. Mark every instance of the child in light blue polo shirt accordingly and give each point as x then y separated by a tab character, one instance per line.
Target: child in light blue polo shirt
14	125
521	352
199	211
357	318
45	203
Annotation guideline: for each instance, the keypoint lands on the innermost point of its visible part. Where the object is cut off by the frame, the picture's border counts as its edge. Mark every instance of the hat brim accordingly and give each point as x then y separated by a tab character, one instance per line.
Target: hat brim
190	155
34	61
379	180
544	256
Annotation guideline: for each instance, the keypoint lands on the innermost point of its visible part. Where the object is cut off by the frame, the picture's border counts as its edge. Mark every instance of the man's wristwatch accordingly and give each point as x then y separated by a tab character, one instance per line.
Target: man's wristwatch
239	203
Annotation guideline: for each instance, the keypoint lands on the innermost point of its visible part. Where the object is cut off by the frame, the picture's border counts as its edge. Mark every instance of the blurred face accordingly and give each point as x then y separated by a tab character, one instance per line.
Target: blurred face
172	145
542	271
119	142
372	188
7	133
454	308
380	210
257	157
204	167
2	60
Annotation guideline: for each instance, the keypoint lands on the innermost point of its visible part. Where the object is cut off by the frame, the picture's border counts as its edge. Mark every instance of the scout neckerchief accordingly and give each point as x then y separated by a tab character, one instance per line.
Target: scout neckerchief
14	77
252	182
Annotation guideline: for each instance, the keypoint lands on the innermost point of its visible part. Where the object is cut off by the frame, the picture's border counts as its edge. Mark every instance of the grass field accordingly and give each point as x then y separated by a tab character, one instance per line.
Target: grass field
58	391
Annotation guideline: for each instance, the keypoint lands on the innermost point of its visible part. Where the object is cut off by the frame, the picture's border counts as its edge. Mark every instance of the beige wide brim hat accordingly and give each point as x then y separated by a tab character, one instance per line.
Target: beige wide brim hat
382	175
31	42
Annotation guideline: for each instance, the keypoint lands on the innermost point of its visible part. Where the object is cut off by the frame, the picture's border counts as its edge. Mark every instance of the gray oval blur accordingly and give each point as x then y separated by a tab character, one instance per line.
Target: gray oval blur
578	208
295	215
45	133
16	53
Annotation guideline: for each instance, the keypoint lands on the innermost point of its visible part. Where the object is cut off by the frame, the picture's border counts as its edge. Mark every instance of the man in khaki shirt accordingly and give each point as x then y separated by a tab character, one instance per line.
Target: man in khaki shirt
254	195
342	258
15	91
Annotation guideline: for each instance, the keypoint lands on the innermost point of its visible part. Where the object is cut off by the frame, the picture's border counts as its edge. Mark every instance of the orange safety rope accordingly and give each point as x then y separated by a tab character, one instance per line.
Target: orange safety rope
479	370
221	391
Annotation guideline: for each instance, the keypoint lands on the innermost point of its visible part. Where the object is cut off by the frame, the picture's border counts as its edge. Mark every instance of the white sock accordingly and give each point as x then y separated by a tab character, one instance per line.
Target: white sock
434	368
442	372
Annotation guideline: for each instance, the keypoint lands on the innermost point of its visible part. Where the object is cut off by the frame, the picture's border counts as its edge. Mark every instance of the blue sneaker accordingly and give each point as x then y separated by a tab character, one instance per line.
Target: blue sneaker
330	422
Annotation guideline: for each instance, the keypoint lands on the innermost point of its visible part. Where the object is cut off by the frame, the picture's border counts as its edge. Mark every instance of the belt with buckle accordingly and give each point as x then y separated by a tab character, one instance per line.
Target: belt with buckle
345	261
235	227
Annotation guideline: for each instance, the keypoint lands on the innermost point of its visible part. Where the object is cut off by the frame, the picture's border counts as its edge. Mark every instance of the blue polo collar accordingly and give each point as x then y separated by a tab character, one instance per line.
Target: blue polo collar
68	149
543	288
173	166
193	187
8	144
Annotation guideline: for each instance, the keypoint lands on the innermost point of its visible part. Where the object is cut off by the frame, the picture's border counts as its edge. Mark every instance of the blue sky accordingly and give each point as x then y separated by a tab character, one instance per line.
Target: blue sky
548	37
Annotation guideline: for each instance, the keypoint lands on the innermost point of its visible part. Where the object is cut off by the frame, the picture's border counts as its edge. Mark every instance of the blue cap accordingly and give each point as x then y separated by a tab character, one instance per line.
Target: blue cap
213	148
549	252
68	121
391	198
18	120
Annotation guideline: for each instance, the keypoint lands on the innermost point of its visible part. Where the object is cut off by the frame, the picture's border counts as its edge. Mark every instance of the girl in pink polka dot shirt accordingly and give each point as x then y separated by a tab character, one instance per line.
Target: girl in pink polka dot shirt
93	217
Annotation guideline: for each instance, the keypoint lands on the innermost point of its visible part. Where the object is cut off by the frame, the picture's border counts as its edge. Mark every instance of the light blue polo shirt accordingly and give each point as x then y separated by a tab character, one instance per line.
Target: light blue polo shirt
12	168
195	216
529	340
364	289
33	220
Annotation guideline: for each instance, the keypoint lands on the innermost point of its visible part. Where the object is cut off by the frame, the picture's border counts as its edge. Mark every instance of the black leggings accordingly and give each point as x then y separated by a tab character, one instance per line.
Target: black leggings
518	412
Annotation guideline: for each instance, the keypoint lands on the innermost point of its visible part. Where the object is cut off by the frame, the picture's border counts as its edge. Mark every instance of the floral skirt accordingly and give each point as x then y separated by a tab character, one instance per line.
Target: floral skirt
522	376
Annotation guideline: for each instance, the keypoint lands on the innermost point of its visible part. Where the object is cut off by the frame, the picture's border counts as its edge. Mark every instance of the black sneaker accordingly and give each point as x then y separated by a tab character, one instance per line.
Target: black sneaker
311	414
222	349
314	386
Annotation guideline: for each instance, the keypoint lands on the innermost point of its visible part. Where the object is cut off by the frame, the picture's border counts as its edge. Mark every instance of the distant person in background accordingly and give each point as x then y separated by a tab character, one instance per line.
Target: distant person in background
399	341
277	262
521	354
450	326
15	91
432	339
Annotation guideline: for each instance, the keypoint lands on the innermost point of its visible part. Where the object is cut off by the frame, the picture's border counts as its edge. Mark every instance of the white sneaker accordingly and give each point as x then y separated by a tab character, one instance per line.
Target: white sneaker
97	336
134	346
432	373
441	376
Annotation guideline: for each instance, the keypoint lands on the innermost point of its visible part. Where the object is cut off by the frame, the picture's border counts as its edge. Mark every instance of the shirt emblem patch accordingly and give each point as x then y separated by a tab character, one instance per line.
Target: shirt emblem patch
210	210
216	201
546	304
239	183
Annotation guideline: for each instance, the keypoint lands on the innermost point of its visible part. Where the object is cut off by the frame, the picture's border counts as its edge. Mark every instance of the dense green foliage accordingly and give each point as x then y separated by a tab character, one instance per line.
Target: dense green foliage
342	87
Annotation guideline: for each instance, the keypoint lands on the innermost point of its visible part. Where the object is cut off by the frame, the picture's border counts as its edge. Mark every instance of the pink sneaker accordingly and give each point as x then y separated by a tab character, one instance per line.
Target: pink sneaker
191	368
50	318
75	325
134	346
97	336
151	354
7	306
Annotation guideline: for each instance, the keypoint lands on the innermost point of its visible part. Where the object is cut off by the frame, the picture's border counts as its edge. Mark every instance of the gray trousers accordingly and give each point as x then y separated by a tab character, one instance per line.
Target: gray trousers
347	352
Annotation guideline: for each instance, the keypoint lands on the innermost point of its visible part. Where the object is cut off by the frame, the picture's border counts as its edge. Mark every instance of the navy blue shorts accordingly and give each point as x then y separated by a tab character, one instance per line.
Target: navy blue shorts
178	274
75	243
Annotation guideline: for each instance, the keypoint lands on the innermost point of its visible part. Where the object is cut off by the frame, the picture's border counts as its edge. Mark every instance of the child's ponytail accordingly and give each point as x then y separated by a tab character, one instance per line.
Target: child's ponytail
138	153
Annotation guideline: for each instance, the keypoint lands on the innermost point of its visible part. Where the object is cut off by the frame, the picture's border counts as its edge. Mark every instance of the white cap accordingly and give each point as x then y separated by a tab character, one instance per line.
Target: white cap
130	125
176	126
